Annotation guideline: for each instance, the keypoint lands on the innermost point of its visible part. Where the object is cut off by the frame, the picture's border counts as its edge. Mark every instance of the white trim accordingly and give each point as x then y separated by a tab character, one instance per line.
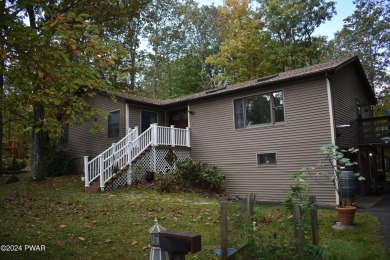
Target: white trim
127	117
331	114
188	115
332	123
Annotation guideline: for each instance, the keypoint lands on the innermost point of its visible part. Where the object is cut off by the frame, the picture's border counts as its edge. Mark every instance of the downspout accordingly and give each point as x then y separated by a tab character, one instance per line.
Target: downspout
331	123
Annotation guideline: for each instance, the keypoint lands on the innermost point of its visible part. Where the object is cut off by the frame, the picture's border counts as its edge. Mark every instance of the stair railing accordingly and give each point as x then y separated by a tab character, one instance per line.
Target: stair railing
108	162
122	153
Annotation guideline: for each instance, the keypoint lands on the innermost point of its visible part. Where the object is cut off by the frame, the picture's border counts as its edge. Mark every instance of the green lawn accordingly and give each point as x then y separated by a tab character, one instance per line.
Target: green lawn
73	224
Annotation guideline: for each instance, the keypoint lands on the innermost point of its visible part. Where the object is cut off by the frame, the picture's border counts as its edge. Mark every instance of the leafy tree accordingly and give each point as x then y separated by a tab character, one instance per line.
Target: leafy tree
366	33
203	37
187	72
164	33
51	64
122	21
243	53
292	24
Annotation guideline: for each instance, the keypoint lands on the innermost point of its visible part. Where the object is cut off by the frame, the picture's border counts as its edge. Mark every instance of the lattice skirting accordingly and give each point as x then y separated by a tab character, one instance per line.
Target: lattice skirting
119	182
158	159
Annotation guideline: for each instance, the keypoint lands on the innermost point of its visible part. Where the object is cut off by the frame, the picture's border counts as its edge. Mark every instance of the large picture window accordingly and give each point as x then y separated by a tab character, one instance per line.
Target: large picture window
260	109
113	124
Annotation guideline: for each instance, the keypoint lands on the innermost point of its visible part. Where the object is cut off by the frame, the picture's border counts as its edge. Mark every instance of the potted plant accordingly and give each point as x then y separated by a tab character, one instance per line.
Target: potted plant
338	168
344	179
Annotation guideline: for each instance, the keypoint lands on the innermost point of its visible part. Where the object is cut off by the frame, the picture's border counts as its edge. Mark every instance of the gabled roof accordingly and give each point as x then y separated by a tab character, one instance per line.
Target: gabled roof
324	69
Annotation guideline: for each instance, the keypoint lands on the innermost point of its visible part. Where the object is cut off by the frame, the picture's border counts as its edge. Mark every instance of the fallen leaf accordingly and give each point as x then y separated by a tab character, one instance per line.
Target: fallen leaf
134	243
81	238
108	241
62	226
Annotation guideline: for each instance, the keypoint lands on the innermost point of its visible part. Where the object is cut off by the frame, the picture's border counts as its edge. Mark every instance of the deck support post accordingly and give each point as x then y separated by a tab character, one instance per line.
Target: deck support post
188	137
86	173
101	171
112	159
154	134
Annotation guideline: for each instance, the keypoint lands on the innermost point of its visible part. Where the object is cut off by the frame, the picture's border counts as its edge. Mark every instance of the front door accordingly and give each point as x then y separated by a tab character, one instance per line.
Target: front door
147	118
179	118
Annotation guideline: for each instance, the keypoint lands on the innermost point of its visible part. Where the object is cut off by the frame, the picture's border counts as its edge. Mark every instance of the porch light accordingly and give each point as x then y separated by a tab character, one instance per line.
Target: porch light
156	252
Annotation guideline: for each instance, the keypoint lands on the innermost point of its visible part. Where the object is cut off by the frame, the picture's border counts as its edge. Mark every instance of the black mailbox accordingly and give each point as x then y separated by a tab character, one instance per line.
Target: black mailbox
180	242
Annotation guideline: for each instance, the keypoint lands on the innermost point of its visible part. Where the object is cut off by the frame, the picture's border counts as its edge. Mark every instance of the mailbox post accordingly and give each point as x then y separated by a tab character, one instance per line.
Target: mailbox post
156	253
178	244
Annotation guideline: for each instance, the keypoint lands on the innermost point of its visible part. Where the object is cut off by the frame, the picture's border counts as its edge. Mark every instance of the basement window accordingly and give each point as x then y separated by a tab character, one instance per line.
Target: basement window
266	159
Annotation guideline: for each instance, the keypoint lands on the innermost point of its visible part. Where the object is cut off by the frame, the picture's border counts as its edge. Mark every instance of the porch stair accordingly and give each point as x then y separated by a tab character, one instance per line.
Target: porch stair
95	185
118	159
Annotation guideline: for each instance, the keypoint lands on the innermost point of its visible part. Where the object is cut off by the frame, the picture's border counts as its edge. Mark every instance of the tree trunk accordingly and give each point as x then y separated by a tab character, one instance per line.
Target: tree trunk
38	145
133	70
2	70
1	117
38	134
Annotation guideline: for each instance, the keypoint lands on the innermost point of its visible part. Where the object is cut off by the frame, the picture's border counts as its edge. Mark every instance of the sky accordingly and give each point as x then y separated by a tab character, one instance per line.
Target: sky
344	8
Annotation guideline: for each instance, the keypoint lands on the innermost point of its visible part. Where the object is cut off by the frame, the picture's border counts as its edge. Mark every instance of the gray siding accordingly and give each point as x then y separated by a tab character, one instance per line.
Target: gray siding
307	127
135	115
82	142
346	87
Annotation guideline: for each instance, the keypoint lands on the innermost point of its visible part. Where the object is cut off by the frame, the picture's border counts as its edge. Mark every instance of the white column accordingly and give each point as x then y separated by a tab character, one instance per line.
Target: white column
154	134
113	155
188	137
332	125
173	136
127	115
86	174
101	170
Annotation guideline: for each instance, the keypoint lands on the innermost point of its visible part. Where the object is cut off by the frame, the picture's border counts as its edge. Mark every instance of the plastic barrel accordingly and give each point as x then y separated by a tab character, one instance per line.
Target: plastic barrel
347	183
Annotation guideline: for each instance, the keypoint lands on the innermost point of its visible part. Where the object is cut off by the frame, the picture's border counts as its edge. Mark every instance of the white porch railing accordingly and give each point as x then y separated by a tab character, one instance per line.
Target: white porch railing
123	153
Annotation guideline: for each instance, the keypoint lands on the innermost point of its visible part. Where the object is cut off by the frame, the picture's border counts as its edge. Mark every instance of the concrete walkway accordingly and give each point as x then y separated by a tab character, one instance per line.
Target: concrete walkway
381	210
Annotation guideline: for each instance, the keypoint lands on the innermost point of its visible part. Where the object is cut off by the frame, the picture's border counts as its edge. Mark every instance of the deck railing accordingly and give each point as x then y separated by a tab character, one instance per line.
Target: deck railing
374	130
122	153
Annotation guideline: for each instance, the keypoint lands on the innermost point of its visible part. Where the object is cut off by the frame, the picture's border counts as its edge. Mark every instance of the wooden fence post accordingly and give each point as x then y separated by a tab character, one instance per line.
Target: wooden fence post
224	246
249	207
298	231
314	219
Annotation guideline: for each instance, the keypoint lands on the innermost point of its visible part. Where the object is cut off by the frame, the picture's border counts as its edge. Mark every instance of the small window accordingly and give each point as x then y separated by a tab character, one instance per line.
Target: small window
266	159
113	124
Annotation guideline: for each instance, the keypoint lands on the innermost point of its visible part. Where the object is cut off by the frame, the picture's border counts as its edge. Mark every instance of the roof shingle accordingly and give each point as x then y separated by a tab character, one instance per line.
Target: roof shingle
288	76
